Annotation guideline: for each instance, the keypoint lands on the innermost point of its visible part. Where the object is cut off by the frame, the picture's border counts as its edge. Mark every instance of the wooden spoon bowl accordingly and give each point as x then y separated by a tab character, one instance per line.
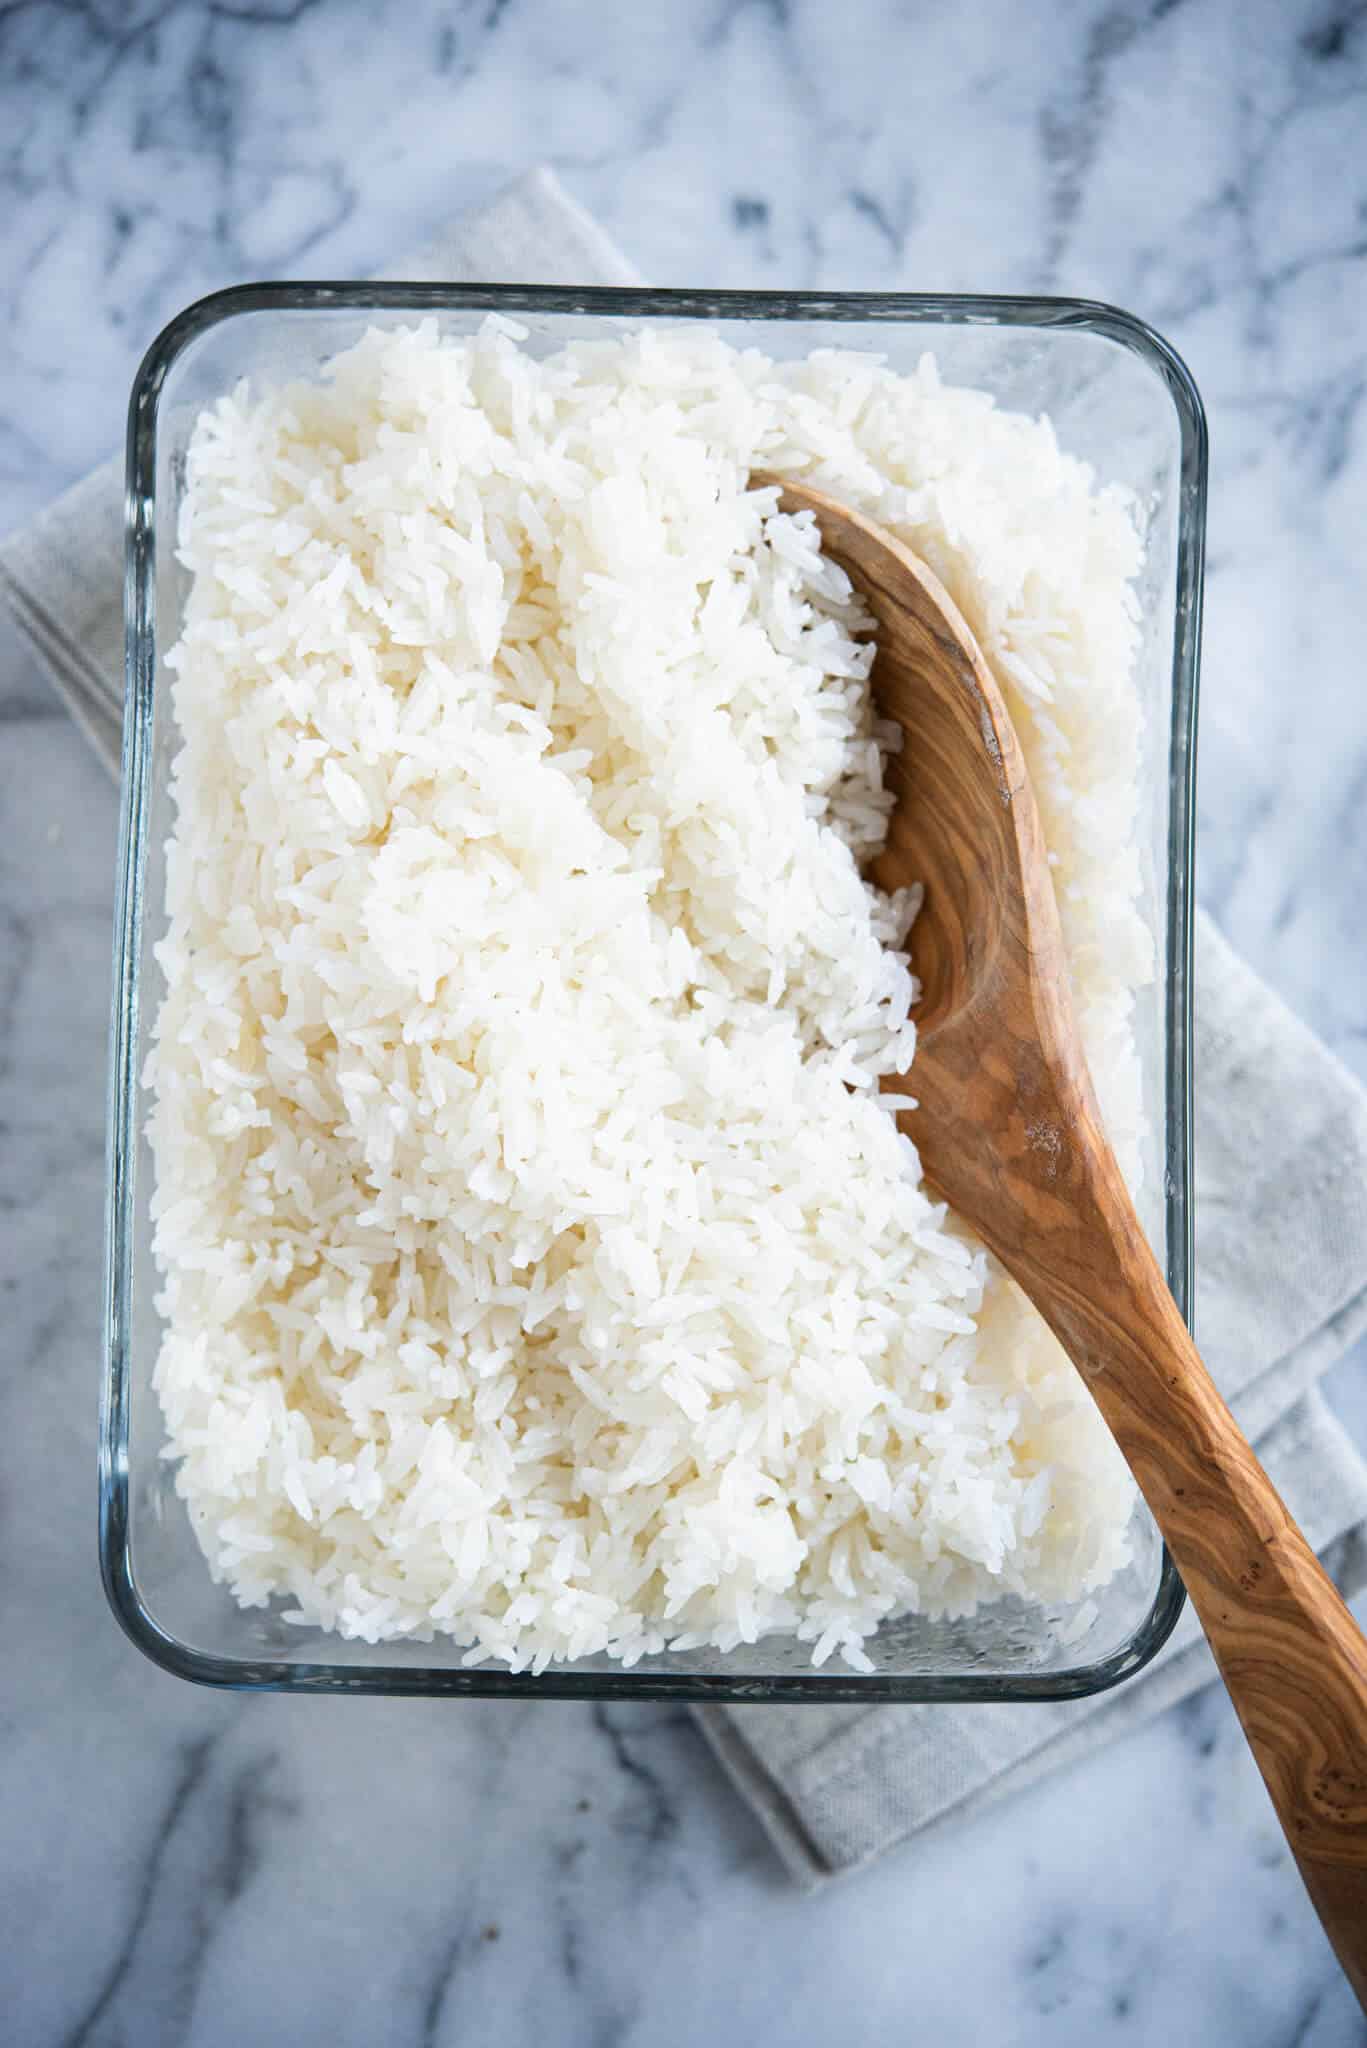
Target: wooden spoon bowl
1009	1134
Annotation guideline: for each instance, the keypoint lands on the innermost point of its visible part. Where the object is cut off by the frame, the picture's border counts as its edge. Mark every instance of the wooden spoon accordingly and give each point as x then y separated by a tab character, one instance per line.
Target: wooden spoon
1009	1134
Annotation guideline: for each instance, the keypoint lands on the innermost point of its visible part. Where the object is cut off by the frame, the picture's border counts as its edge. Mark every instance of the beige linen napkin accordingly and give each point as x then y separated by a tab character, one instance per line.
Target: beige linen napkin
1281	1150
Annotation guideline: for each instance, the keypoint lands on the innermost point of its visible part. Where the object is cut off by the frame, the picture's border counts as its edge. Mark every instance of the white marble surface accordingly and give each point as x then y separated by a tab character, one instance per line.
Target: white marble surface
181	1867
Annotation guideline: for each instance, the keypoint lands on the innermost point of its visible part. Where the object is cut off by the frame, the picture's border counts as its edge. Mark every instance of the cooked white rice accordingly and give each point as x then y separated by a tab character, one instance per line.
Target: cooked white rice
541	1264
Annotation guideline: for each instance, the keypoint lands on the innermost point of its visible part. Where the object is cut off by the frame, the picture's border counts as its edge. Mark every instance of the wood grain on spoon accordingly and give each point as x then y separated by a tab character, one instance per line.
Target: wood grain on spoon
1009	1134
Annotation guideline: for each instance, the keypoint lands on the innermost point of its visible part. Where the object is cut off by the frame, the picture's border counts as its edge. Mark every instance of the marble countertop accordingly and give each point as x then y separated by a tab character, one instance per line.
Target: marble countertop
177	1866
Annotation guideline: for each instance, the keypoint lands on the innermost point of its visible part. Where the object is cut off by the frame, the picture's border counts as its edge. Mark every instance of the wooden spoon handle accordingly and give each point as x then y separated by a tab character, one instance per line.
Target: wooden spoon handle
1288	1649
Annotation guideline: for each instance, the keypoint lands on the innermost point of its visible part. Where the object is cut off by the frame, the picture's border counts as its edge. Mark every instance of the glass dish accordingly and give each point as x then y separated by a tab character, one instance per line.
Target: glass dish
1119	398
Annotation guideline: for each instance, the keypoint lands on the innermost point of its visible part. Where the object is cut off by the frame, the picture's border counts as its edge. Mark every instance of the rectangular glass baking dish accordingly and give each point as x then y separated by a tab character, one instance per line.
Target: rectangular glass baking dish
1119	398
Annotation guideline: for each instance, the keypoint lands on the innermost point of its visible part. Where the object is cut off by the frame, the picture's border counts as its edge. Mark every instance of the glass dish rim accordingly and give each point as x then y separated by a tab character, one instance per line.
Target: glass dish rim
1108	322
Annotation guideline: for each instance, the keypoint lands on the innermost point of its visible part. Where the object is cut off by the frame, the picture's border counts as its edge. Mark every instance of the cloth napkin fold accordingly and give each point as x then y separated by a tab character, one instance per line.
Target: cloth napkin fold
1281	1153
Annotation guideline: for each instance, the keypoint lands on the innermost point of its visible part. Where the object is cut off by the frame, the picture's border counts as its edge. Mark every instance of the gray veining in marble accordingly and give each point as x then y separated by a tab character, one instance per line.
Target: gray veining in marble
183	1867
